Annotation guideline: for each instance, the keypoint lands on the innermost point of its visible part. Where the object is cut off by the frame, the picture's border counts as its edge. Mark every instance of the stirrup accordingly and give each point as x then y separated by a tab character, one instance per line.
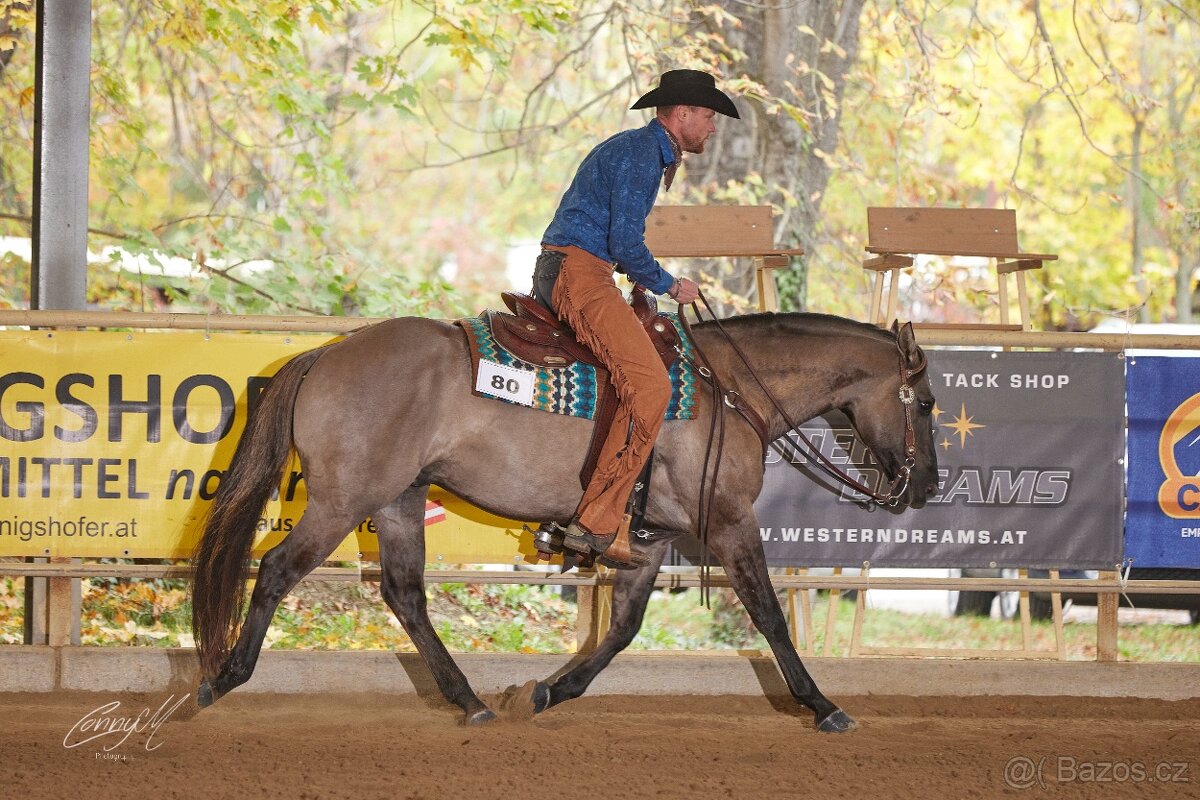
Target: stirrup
547	539
622	556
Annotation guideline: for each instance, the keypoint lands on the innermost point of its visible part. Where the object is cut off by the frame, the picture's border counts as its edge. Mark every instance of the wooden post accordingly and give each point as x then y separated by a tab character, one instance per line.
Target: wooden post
875	316
594	615
1026	622
1002	282
831	615
768	293
1023	301
35	607
860	610
893	297
52	607
799	616
62	609
1106	622
1056	611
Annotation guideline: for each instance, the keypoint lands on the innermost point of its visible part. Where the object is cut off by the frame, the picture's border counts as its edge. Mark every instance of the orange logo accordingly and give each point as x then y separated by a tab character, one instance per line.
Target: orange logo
1179	496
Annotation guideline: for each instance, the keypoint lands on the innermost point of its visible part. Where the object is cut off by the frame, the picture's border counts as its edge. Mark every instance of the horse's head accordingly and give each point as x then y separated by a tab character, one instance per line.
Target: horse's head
895	420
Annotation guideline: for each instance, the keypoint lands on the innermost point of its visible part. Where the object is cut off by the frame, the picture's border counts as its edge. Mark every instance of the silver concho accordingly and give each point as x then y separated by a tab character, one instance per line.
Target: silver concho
907	395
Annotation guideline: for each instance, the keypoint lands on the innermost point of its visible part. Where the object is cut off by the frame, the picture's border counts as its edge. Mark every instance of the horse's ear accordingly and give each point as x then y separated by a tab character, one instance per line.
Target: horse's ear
907	339
895	327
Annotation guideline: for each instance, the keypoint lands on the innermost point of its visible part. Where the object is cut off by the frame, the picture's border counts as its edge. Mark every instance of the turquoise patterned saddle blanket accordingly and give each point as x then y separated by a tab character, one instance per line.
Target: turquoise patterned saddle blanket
571	389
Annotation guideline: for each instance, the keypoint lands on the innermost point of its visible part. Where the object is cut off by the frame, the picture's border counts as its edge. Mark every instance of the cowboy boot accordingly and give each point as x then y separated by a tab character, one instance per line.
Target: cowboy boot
613	550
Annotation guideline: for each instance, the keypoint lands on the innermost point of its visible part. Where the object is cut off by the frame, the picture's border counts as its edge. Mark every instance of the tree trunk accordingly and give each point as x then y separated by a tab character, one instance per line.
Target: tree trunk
780	141
1135	211
1182	237
1187	294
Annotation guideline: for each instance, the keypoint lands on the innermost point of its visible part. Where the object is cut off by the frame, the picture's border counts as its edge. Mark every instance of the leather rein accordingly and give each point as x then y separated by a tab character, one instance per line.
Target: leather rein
723	398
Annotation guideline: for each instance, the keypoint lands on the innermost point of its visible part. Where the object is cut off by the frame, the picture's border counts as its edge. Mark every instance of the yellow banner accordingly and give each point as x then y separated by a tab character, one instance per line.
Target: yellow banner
113	445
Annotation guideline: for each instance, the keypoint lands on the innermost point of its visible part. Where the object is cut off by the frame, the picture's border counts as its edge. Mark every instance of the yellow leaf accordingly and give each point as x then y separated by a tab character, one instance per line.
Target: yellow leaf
318	22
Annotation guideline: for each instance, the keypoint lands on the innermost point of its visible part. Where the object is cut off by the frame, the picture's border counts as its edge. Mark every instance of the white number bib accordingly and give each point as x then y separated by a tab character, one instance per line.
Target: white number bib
501	381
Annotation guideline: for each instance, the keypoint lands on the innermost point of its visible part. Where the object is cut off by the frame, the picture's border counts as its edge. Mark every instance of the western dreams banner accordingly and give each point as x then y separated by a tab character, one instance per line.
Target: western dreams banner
114	444
1029	449
1162	525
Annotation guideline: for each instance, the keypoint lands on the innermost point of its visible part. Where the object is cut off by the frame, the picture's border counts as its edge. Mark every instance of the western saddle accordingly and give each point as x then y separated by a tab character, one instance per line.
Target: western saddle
534	335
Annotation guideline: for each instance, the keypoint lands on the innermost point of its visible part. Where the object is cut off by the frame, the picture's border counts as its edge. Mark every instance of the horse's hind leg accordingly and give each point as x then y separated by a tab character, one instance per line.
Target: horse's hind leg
401	527
739	550
305	547
631	593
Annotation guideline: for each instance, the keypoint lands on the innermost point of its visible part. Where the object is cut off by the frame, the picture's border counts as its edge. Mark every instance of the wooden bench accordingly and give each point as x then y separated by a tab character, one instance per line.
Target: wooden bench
722	231
895	235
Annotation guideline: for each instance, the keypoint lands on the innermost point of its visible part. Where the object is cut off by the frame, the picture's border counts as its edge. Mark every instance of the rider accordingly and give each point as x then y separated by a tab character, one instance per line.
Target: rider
600	226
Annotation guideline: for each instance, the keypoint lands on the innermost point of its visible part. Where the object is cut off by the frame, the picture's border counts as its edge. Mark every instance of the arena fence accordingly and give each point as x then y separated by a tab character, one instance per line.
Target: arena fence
61	593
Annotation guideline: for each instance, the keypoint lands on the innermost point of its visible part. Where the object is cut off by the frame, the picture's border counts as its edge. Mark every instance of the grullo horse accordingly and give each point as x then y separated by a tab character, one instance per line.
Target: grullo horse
378	417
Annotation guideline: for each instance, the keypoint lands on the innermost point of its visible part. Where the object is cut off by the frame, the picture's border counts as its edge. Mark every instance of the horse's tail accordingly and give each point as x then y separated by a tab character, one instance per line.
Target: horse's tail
223	553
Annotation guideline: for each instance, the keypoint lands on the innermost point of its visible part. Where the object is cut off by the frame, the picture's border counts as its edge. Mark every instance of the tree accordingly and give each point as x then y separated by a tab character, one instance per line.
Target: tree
1001	105
343	157
792	61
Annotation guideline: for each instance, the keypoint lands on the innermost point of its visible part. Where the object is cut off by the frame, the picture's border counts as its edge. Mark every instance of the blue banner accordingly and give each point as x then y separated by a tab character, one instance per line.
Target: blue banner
1162	523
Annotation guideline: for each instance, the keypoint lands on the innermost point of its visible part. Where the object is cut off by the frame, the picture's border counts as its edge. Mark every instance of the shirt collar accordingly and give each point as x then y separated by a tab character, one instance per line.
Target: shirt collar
664	141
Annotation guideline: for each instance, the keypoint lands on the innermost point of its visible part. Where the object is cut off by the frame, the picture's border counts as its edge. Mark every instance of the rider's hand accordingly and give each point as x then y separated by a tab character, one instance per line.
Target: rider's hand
689	290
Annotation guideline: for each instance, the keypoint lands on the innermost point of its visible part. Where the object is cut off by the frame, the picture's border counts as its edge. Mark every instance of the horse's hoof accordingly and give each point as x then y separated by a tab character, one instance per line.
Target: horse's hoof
541	697
480	717
838	721
204	695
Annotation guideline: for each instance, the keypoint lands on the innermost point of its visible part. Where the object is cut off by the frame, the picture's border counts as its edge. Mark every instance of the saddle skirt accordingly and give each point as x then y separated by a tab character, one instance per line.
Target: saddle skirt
529	358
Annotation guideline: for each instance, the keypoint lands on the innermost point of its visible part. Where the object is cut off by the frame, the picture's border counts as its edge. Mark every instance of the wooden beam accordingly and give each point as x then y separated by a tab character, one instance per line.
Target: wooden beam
1004	268
965	251
193	322
965	326
199	322
887	262
673	579
710	231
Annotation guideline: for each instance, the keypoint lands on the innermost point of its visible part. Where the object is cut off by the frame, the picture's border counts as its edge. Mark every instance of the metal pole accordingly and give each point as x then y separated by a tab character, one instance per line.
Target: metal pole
62	104
60	143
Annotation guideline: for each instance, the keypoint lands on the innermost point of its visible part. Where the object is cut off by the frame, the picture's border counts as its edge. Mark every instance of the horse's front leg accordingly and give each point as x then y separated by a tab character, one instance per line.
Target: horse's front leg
739	549
631	593
401	527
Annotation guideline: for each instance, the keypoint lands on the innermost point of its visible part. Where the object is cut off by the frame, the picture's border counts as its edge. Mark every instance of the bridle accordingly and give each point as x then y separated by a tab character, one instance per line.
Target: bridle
723	397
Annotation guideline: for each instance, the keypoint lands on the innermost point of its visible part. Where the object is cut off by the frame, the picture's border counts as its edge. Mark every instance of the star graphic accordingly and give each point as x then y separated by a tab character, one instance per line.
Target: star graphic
937	411
945	444
963	426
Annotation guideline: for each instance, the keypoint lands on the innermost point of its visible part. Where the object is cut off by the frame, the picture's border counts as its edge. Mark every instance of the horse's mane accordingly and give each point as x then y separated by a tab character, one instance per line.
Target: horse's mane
803	323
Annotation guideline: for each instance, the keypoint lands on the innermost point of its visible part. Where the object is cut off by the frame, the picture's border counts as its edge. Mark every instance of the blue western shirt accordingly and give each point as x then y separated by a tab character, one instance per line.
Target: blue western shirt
605	208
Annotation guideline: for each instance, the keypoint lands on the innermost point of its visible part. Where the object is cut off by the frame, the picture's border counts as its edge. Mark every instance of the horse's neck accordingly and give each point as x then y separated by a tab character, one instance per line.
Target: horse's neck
808	374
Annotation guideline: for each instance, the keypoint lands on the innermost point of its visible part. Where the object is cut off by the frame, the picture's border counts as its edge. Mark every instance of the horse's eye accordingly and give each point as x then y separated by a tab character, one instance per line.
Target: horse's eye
926	406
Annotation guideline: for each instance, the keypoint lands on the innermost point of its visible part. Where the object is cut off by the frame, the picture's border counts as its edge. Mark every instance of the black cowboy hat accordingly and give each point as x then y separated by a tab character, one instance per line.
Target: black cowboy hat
688	87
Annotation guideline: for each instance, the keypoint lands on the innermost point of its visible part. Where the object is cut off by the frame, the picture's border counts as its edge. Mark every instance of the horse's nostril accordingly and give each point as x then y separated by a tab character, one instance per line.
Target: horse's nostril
931	488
